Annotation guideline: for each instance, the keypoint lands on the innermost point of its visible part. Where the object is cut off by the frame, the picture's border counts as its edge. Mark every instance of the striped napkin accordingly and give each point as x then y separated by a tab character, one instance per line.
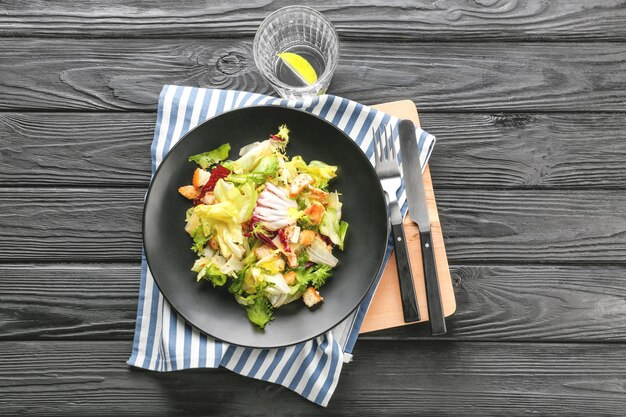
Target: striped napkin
165	342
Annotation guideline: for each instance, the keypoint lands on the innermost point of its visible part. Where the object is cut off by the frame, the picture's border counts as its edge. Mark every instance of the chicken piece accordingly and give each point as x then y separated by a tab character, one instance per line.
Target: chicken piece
213	243
189	191
208	198
315	212
319	195
292	259
262	251
200	177
311	297
292	233
290	277
298	184
307	237
279	264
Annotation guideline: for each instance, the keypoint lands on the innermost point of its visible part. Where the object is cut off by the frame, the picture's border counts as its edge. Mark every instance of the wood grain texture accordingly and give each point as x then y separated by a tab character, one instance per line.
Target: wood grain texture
532	303
91	378
553	151
75	301
495	303
539	226
517	150
83	149
95	74
457	20
70	224
479	225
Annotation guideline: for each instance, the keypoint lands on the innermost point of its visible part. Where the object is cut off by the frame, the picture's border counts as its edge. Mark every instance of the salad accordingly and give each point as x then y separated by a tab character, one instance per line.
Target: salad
264	225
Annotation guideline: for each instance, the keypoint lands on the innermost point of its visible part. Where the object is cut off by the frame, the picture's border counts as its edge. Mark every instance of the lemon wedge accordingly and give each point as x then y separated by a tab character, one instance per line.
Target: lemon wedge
300	66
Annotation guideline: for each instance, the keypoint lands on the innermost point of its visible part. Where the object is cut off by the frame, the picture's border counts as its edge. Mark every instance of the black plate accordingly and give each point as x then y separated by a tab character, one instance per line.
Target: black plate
215	311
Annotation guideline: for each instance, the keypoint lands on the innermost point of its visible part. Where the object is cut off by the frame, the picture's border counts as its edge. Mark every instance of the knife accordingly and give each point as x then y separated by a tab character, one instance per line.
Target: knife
418	212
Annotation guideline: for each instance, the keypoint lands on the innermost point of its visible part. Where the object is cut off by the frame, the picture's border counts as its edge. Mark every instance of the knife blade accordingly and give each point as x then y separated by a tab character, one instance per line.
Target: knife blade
418	213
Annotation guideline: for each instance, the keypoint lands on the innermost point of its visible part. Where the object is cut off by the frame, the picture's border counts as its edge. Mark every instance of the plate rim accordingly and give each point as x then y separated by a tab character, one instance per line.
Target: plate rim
381	260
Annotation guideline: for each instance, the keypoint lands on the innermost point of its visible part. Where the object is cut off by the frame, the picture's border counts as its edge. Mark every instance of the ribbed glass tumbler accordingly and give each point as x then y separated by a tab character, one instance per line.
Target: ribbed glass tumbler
309	51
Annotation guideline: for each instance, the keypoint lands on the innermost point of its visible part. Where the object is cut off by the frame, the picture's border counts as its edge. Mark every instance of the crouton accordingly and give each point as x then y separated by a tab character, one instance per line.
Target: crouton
189	191
292	259
292	233
319	195
208	198
307	237
311	297
290	277
315	212
213	243
262	251
200	177
298	184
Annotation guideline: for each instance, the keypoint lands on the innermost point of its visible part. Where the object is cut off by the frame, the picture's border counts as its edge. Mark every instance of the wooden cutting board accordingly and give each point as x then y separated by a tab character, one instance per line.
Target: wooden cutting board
386	308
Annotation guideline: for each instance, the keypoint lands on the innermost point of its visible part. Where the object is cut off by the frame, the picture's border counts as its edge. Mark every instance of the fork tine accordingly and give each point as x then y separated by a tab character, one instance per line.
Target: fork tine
394	155
375	139
381	144
387	145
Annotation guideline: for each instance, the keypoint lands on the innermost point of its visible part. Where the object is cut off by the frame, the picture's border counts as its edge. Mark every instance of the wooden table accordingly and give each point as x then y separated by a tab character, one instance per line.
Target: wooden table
527	100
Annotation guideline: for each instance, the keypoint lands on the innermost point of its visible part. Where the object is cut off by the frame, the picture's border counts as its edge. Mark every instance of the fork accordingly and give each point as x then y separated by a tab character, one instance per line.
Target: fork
388	171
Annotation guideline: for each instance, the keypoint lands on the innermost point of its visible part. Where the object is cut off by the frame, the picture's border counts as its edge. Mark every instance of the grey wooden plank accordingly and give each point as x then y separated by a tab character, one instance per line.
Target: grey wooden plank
527	150
70	224
531	303
82	149
403	378
86	74
503	303
546	226
542	226
68	301
423	21
473	150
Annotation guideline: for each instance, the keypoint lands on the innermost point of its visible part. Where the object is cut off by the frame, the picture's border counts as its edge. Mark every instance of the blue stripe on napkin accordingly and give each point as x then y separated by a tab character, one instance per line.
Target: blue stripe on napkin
165	342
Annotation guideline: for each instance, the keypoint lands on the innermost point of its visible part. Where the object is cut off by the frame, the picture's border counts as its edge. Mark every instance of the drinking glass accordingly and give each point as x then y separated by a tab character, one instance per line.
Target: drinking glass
305	32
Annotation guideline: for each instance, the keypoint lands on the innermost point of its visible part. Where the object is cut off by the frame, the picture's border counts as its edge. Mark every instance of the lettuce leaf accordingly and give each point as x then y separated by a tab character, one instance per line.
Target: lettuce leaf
199	240
253	155
315	276
261	312
283	133
343	229
230	239
266	167
220	212
321	172
207	159
209	271
222	221
193	222
247	201
243	199
333	228
215	277
330	226
320	254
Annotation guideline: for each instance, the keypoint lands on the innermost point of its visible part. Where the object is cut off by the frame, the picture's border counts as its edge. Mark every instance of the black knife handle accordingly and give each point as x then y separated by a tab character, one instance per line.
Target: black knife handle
407	290
433	295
